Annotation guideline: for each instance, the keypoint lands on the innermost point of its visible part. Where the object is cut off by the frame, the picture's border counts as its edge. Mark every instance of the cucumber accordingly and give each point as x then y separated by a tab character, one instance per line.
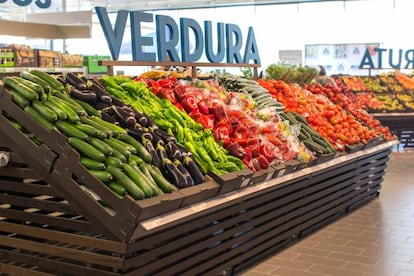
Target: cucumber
90	110
119	155
127	183
314	146
33	78
21	101
146	175
86	149
45	111
136	175
71	131
137	159
103	176
163	183
60	113
90	130
53	83
90	122
117	188
321	141
299	117
101	146
70	102
124	151
72	115
26	92
141	151
39	118
305	133
34	86
112	161
115	129
126	145
92	164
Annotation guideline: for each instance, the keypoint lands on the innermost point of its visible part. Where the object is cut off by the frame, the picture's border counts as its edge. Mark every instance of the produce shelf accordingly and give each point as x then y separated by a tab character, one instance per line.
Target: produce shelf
226	233
401	125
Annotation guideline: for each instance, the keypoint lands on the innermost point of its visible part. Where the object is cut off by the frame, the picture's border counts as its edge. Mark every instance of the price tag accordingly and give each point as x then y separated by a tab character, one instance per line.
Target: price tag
245	182
269	176
281	172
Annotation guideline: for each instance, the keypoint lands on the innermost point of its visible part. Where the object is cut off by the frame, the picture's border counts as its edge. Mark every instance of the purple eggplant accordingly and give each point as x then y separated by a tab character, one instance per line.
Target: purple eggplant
193	170
75	81
84	95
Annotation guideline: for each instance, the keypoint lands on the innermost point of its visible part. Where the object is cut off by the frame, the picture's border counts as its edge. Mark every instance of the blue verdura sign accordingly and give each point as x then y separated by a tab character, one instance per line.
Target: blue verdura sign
43	4
169	35
396	59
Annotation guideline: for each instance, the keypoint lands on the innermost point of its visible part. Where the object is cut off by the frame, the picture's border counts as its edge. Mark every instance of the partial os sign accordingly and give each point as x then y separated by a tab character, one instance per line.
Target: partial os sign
169	35
43	4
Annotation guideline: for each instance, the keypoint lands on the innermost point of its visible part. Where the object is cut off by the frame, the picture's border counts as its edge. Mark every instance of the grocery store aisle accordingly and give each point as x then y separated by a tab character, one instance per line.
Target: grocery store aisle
376	239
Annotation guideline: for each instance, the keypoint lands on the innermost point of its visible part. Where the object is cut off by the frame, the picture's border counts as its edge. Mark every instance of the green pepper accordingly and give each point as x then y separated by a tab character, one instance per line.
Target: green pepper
206	157
210	148
188	135
240	165
162	123
226	166
171	113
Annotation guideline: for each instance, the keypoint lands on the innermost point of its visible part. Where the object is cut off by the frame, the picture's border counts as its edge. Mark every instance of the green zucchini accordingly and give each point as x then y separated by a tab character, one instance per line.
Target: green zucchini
125	145
21	101
92	164
114	162
101	146
71	131
39	118
92	111
119	155
86	149
117	188
141	151
45	111
163	183
25	91
33	78
314	146
103	176
34	86
127	183
136	175
115	129
90	130
90	122
72	115
53	83
60	113
70	102
124	151
137	159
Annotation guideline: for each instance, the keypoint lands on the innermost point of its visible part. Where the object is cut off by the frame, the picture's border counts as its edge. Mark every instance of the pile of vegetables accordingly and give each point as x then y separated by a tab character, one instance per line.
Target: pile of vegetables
108	151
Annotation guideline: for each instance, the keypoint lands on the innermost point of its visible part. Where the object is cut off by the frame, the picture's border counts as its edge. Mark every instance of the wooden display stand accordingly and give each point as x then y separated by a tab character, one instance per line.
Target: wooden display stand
401	125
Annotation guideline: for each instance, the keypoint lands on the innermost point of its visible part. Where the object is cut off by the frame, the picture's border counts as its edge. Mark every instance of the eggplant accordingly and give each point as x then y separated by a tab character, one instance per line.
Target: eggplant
106	99
156	161
108	117
139	134
101	106
127	114
98	90
61	79
165	136
141	118
193	170
74	80
162	153
117	102
86	96
173	152
173	174
187	176
157	140
121	119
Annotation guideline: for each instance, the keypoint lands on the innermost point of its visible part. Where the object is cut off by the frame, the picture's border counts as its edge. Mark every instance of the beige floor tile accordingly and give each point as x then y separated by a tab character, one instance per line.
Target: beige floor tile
376	239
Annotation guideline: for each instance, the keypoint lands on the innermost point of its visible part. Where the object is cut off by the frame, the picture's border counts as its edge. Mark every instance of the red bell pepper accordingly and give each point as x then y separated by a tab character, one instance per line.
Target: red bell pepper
255	149
168	93
264	163
189	103
241	132
206	120
219	112
202	106
221	133
180	92
236	150
266	149
195	114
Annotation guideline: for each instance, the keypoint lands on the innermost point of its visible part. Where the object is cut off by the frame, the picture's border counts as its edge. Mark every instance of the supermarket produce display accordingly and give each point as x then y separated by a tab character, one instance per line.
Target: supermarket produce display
146	172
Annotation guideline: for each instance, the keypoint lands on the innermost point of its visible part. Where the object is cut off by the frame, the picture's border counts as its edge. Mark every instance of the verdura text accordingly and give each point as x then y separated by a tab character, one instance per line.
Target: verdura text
396	59
169	35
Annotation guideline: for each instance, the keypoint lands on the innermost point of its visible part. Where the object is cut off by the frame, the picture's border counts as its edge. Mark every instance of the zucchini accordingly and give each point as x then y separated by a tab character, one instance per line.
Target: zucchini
34	86
71	131
86	149
119	155
137	159
70	102
72	115
45	111
90	130
299	117
127	183
101	146
90	122
117	188
112	142
103	176
60	113
39	118
53	83
21	101
150	180
115	129
112	161
33	78
136	175
25	91
159	178
90	110
126	145
92	164
314	146
141	151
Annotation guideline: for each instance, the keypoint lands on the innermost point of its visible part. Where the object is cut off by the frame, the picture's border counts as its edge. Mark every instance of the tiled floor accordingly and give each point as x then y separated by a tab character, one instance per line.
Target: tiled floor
376	239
